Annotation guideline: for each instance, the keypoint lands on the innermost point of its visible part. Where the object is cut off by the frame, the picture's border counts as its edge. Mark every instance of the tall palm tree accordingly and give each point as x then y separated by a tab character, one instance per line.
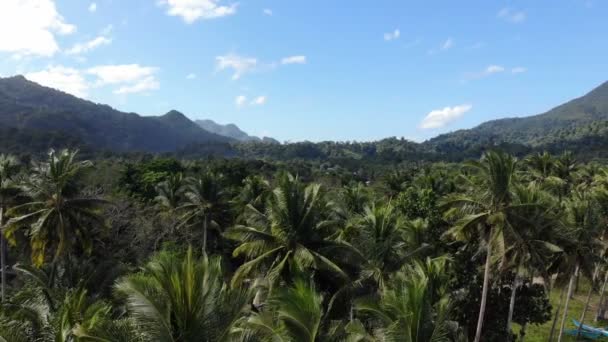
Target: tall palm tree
581	222
530	237
170	192
183	298
485	211
205	204
292	235
255	192
413	306
9	190
58	218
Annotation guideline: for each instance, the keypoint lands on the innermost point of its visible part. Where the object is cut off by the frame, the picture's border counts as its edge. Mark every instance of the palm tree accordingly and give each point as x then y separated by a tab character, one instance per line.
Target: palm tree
413	306
183	298
293	313
9	190
170	192
57	218
485	211
294	231
581	222
255	192
205	204
540	166
530	237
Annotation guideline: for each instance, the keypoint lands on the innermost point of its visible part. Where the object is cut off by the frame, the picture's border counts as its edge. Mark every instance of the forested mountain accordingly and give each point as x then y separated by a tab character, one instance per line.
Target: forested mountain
34	118
582	122
32	115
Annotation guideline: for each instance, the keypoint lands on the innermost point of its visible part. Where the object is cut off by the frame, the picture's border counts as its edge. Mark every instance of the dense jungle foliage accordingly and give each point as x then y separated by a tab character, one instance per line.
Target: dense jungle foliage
164	249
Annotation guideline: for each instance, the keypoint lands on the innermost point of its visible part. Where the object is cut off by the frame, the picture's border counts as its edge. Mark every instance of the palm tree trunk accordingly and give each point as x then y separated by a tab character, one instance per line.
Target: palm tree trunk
512	303
580	327
556	316
484	291
2	254
565	314
600	309
205	234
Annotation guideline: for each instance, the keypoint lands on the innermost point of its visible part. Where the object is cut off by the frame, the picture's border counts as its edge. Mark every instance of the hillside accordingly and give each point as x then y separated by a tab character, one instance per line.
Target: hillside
232	131
31	111
569	123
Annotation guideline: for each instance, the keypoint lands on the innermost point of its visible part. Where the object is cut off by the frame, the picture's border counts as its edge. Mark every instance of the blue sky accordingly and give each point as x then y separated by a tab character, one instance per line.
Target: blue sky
313	70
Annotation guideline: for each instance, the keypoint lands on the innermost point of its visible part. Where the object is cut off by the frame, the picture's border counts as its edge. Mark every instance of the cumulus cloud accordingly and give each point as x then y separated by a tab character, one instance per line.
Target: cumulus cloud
239	64
392	35
66	79
441	117
191	76
511	15
267	11
518	70
93	7
131	78
88	46
193	10
294	60
240	100
29	26
143	85
259	101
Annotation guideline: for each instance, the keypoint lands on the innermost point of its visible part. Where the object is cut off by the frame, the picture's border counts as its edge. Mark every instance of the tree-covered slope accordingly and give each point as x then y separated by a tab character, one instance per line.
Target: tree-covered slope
34	110
573	121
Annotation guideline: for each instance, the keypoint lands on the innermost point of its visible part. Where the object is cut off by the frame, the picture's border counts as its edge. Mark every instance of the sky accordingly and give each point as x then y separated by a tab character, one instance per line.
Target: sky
315	69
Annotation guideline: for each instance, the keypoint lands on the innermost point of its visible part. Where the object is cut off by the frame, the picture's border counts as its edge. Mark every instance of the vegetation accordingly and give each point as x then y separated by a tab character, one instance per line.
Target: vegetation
160	249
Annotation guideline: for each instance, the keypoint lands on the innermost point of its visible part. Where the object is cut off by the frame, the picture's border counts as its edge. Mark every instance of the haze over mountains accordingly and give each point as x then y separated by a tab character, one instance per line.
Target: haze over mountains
33	117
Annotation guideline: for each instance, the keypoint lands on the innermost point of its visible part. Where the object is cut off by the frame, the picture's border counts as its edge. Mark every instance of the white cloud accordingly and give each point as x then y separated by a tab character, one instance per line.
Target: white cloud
29	26
88	46
239	64
493	69
65	79
392	35
93	7
193	10
441	117
132	78
294	60
489	70
259	101
511	15
143	85
447	44
267	11
240	100
124	73
191	76
518	70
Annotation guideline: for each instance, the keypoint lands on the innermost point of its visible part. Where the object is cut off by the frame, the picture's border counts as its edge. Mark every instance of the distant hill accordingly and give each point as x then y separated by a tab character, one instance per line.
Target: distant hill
232	131
33	114
562	127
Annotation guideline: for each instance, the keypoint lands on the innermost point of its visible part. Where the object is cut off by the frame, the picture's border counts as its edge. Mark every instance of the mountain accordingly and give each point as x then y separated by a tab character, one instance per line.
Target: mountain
566	125
232	131
33	114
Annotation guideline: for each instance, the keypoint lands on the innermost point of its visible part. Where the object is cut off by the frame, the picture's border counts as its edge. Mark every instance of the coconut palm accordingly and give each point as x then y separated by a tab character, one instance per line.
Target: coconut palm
291	235
255	192
183	298
170	192
9	190
413	306
582	223
58	218
530	236
485	211
205	204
